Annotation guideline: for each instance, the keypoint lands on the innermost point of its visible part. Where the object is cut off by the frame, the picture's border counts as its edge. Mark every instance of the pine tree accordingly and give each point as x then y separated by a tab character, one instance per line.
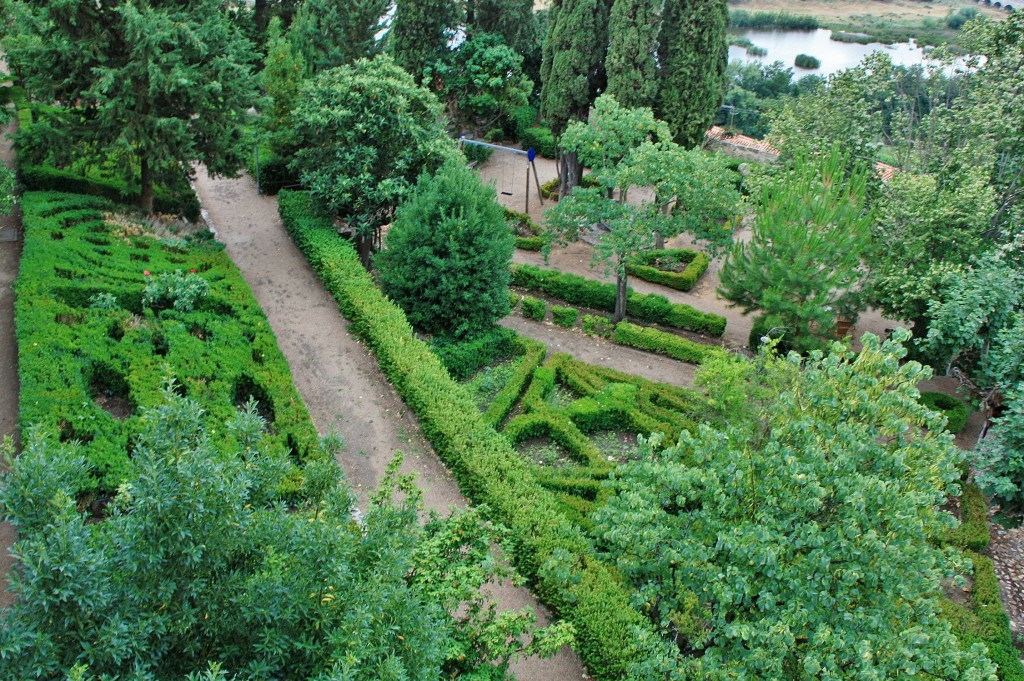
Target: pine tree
329	33
633	29
421	31
692	56
163	84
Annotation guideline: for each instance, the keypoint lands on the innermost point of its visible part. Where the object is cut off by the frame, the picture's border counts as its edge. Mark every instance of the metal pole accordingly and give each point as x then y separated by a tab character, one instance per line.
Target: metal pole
527	211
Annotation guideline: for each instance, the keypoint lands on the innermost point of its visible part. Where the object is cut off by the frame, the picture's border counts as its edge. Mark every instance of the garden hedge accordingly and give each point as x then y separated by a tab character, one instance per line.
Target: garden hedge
577	290
588	593
973	531
955	410
645	267
541	140
532	355
88	364
663	343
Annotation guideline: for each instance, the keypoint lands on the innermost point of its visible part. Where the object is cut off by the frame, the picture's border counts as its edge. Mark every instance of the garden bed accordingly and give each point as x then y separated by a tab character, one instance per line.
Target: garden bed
678	268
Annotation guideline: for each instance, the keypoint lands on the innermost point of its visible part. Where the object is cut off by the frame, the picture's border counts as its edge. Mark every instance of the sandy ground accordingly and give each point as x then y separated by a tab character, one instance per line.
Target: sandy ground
337	376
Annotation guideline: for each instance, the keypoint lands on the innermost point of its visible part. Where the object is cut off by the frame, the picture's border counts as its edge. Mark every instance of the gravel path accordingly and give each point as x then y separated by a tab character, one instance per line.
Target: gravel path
337	376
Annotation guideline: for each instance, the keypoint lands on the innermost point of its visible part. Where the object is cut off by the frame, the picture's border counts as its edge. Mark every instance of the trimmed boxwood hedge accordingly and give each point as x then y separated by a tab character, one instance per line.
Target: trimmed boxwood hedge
76	357
577	290
588	593
662	343
955	409
533	354
973	532
533	308
644	267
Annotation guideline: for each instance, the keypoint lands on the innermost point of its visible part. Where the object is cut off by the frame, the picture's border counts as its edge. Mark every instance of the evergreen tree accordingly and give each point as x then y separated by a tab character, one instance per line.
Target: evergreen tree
447	257
692	56
328	33
283	73
514	20
633	38
573	72
421	31
163	85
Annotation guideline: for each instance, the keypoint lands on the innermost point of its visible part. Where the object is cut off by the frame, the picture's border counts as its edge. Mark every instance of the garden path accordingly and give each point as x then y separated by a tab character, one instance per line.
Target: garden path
337	376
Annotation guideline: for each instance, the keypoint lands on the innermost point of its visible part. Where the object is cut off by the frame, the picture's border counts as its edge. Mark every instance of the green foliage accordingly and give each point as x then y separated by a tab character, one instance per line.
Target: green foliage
806	61
692	55
611	133
785	522
366	132
957	20
564	316
176	198
594	325
7	197
533	308
779	21
328	34
972	534
540	139
954	409
572	72
284	69
132	78
97	337
582	292
463	358
448	253
532	354
273	170
802	265
514	20
545	546
197	561
521	119
421	31
663	343
769	328
1000	457
633	28
659	267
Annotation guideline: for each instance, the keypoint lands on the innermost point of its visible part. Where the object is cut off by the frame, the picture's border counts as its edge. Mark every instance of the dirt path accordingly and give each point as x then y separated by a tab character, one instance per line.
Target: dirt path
10	256
338	377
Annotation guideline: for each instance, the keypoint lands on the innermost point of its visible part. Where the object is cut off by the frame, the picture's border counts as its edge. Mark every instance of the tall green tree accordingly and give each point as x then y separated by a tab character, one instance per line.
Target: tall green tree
572	73
161	85
447	256
792	542
633	29
421	31
329	33
803	264
284	70
199	564
514	20
692	55
365	133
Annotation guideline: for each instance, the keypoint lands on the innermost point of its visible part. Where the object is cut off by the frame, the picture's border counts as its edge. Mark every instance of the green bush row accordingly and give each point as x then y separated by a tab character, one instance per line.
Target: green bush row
564	316
93	354
463	358
646	267
586	592
577	290
541	139
662	343
533	308
973	532
533	354
182	201
529	243
955	409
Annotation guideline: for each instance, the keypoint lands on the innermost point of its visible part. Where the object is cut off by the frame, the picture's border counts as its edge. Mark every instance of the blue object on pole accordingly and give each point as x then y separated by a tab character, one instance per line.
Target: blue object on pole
531	154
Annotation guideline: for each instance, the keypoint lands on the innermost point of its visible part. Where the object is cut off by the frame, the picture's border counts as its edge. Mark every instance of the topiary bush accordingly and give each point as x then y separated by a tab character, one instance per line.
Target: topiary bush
955	410
662	267
447	256
534	308
564	316
465	357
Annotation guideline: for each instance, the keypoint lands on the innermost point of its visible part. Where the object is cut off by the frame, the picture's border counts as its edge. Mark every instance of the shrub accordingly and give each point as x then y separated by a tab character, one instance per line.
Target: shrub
580	587
956	21
756	51
651	266
533	243
272	171
549	190
532	355
806	61
955	410
513	300
663	343
564	316
598	326
582	292
477	153
767	326
521	119
97	337
534	308
540	139
463	358
973	532
448	253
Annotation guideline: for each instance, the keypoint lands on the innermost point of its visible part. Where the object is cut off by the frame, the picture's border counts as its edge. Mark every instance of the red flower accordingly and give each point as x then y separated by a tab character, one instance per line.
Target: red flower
192	271
145	273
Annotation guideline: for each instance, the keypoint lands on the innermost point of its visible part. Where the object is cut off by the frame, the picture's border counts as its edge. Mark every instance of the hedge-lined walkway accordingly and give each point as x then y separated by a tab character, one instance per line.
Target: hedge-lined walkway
337	376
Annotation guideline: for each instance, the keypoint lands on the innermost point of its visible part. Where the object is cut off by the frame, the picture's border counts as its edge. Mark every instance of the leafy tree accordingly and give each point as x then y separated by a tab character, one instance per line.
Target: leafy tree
283	73
792	541
572	72
612	132
692	55
482	82
514	20
448	254
199	565
802	265
365	132
161	85
329	33
421	31
633	38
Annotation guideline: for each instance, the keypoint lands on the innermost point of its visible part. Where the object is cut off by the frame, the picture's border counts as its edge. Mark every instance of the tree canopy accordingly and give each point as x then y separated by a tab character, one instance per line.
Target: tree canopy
791	540
157	85
329	33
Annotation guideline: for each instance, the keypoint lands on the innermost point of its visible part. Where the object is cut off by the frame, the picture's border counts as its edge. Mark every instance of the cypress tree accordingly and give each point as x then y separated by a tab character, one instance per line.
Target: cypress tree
692	56
513	20
329	33
420	32
633	29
